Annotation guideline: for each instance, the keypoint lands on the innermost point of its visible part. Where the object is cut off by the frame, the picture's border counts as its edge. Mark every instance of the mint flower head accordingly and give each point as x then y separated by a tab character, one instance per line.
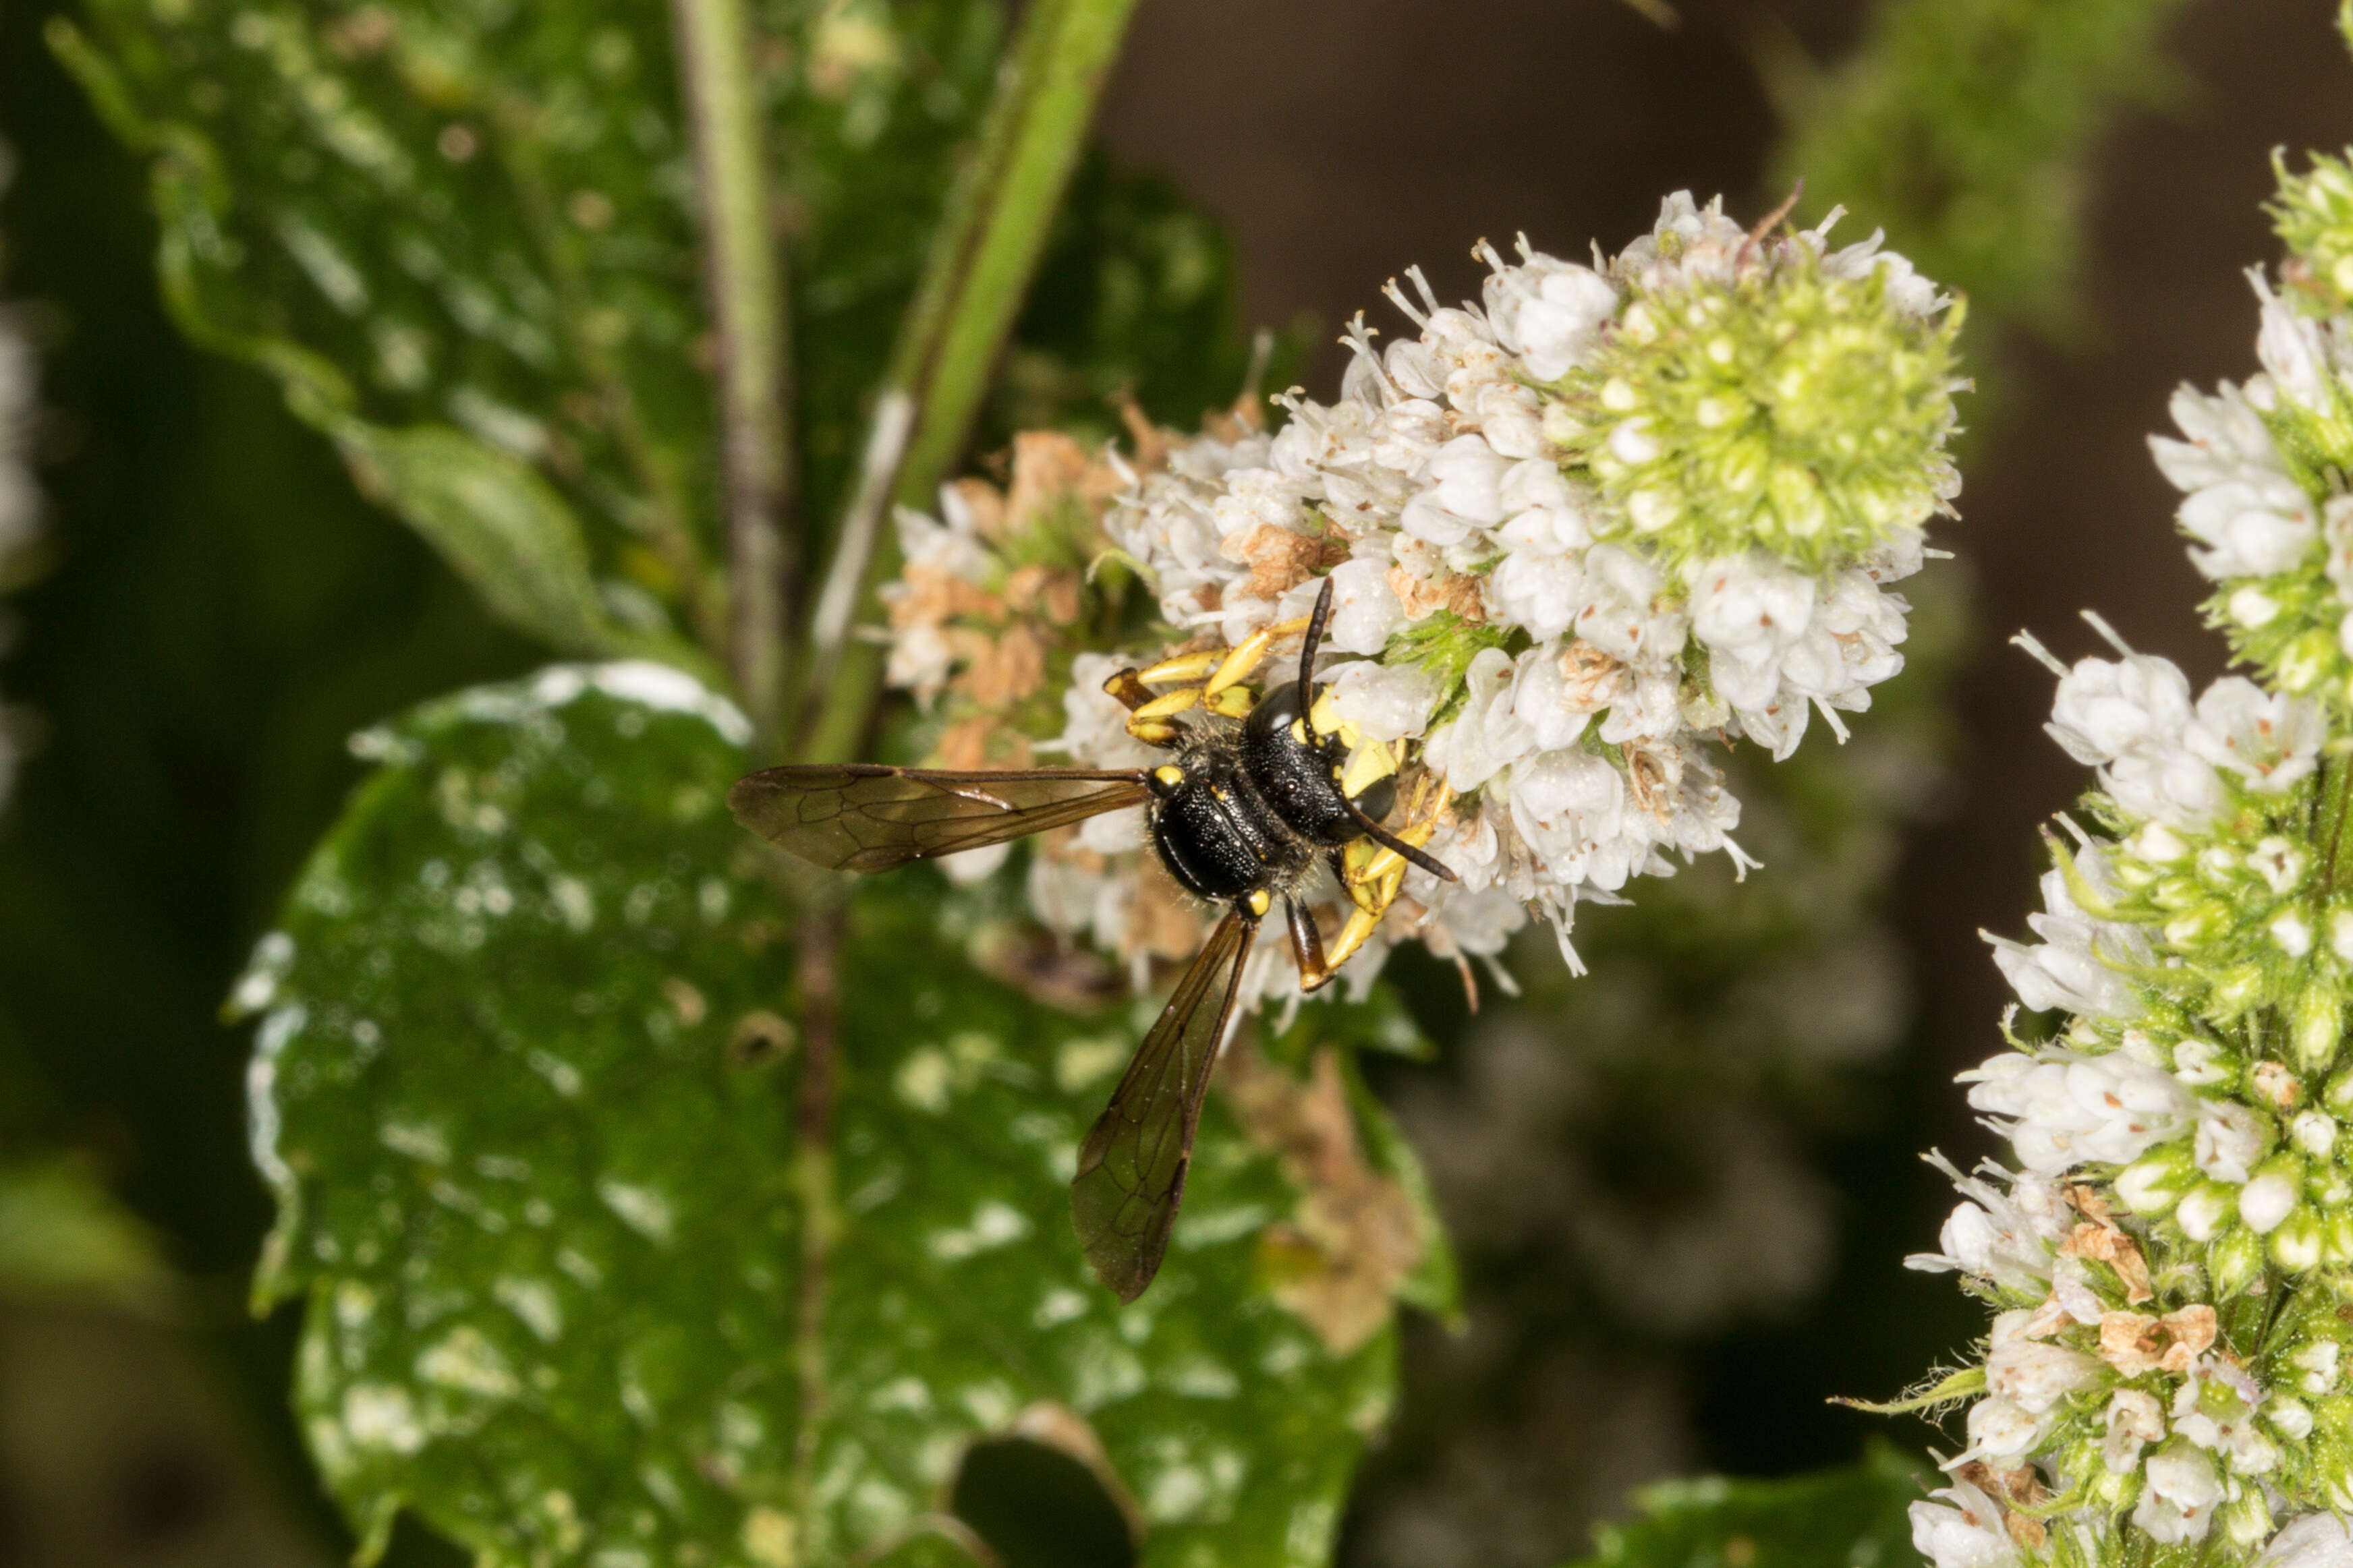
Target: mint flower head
1581	534
1765	394
2169	1251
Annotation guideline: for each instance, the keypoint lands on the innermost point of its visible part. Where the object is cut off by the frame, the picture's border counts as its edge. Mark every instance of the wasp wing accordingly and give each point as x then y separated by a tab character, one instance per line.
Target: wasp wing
860	817
1131	1167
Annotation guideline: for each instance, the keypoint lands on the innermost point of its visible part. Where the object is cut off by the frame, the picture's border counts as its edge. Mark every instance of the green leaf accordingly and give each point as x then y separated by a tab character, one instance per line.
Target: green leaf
465	232
61	1234
526	1095
500	527
1854	1517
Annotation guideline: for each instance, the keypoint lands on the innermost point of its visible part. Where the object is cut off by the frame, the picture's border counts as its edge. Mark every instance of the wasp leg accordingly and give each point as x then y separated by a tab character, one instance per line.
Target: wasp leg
1184	667
1129	688
1252	648
1361	925
1169	704
1307	947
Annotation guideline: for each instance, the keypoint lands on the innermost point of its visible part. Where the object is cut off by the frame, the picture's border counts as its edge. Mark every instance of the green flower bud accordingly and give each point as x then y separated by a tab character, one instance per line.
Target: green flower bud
2338	1237
2317	1024
2152	1185
2208	1209
2246	1518
2201	921
2235	1262
1789	409
2271	1195
2298	1245
2314	214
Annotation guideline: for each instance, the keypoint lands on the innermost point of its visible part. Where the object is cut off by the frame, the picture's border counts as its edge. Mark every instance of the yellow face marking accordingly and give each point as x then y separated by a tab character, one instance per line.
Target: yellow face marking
1299	731
1172	775
1368	767
1259	902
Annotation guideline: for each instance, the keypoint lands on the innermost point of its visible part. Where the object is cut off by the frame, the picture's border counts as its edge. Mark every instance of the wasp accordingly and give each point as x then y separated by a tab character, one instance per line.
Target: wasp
1256	792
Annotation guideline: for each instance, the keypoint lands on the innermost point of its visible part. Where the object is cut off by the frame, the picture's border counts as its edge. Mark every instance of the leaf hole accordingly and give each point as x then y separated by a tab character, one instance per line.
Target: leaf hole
1039	1506
761	1039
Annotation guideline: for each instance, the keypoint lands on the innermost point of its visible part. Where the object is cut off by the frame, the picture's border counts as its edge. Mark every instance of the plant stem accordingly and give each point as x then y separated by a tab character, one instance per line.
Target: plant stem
980	265
743	284
820	1016
2336	793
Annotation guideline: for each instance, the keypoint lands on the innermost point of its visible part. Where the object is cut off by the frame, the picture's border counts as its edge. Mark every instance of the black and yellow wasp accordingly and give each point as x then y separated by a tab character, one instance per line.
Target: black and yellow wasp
1257	791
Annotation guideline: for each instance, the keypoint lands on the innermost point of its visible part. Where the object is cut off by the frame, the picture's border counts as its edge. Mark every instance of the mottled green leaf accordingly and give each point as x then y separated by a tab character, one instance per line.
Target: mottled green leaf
1854	1517
542	1184
477	219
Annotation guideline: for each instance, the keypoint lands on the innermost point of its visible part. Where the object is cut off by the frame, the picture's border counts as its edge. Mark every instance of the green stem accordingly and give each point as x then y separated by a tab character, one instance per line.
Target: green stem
980	265
2336	793
743	284
813	1170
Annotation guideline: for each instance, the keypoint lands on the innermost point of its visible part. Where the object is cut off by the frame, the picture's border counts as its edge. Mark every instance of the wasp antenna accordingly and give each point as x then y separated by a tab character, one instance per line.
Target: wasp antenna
1315	623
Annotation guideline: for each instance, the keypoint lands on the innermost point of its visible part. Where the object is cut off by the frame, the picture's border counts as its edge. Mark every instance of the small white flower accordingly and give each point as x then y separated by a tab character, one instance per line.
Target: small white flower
2294	348
1549	312
1384	703
2106	709
1748	612
1568	804
2004	1233
2133	1418
1627	618
2077	965
2032	1372
2060	1113
1963	1531
1484	737
2315	1541
2270	739
2177	1503
2229	1139
2001	1429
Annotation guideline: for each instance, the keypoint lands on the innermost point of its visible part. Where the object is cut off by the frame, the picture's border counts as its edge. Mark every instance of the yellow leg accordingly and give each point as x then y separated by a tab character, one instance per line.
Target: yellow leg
1234	701
1184	667
1249	650
1169	705
1353	935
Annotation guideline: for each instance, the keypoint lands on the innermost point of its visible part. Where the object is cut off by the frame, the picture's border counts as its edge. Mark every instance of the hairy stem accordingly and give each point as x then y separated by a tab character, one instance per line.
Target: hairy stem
980	265
820	988
2336	799
743	285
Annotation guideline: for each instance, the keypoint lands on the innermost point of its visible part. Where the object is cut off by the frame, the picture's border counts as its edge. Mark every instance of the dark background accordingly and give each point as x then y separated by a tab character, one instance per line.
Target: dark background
224	610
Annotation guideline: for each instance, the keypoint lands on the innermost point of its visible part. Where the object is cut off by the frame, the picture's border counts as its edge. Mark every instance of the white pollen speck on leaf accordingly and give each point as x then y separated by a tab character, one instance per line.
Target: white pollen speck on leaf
535	1302
924	1079
642	1209
468	1361
559	1073
994	1224
573	902
378	1415
419	1140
